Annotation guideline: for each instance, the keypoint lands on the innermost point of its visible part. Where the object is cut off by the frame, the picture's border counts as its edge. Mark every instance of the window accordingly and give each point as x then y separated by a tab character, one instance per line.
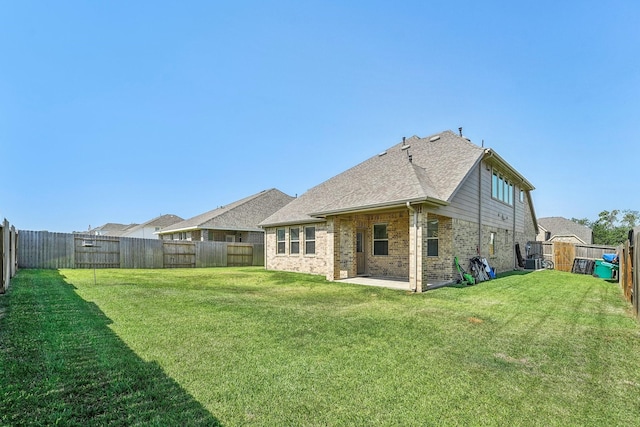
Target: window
432	237
501	188
522	196
294	240
229	238
494	185
380	240
280	240
492	244
309	240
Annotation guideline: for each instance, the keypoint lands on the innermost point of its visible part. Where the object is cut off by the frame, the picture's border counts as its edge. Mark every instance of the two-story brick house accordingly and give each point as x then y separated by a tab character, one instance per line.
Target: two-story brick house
406	213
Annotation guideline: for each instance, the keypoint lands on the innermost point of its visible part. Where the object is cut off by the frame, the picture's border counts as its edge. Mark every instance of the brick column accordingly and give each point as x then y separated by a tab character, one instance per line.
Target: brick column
417	265
333	251
347	249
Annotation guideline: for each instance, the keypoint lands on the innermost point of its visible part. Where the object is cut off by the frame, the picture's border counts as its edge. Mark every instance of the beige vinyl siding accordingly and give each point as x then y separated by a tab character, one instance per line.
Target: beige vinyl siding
465	203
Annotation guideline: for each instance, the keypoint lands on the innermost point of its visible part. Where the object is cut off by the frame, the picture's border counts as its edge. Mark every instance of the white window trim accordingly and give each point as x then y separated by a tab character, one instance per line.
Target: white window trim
374	240
314	240
284	240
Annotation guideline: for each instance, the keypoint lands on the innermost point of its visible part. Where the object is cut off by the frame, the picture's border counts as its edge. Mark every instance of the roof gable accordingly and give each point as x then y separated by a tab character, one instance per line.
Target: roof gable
559	226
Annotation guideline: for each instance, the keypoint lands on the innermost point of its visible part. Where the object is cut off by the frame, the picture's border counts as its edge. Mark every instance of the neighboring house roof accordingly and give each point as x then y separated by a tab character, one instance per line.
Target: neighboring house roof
243	215
111	229
427	169
562	227
161	221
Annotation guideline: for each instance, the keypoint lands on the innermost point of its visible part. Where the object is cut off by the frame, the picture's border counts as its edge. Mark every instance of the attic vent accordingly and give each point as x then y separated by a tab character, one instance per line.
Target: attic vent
406	147
434	138
382	154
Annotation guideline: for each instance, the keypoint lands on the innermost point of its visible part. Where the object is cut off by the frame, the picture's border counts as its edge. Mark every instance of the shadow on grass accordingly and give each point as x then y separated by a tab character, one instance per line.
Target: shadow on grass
61	364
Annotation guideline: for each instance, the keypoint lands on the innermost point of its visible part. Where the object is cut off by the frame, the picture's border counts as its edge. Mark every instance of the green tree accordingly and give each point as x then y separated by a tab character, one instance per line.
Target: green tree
629	218
609	230
582	221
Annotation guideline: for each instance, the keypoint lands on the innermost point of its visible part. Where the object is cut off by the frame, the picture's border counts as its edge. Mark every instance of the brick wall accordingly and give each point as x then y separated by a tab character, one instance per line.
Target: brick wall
396	263
466	241
301	262
440	268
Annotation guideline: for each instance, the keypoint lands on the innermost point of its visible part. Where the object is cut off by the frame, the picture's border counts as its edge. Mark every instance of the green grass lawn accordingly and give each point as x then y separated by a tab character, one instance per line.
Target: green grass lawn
243	346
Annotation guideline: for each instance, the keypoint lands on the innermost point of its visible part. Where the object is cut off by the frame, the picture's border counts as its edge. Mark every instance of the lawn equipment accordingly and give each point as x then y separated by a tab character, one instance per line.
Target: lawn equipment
478	269
465	278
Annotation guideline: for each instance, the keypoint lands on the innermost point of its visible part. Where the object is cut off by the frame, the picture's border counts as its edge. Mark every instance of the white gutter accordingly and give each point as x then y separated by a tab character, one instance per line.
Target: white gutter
415	247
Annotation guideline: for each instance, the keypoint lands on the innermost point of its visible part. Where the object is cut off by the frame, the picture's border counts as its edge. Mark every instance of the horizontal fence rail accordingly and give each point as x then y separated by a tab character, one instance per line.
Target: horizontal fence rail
42	249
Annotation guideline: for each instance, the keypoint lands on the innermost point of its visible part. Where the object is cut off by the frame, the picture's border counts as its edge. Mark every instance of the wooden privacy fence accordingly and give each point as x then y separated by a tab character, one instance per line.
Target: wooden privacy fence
629	255
42	249
8	256
563	253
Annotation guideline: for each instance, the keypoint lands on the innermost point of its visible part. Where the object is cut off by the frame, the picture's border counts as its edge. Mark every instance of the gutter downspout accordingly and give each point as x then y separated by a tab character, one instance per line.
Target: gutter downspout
490	153
480	206
515	210
415	246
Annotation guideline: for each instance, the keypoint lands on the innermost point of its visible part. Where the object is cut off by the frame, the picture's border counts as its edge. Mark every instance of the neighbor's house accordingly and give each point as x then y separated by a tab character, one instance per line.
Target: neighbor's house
558	229
406	213
235	222
145	230
149	229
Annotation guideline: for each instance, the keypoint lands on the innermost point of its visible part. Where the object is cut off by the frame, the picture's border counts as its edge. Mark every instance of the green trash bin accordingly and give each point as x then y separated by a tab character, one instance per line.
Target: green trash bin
603	269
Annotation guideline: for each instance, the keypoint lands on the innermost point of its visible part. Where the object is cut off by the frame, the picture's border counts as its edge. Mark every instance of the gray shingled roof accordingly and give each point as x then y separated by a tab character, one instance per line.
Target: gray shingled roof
559	226
161	221
111	229
244	214
438	166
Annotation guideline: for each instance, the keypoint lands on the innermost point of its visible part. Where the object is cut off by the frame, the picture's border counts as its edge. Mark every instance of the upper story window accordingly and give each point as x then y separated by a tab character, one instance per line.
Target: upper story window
294	240
501	188
309	240
522	196
380	239
281	245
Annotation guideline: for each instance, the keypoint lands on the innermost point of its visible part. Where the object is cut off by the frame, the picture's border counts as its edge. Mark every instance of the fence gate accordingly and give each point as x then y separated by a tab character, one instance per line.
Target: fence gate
179	254
96	251
239	255
564	253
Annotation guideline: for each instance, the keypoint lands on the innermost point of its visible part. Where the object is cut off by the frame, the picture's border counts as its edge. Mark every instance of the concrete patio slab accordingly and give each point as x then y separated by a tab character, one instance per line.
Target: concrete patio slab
391	283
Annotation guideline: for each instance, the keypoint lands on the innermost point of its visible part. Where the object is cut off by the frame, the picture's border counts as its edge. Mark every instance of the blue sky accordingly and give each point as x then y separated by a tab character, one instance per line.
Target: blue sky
121	111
